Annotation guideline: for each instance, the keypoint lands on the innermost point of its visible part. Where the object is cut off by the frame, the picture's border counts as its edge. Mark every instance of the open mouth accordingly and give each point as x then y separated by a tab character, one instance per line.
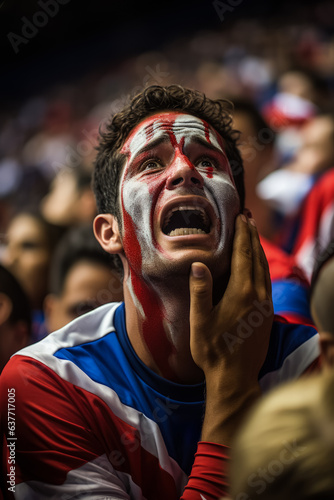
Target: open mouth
184	220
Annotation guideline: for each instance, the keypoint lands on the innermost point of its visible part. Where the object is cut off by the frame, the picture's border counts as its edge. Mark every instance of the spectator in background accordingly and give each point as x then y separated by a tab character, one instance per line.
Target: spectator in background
322	300
15	316
316	153
48	147
315	228
29	245
83	277
70	200
257	148
300	96
285	189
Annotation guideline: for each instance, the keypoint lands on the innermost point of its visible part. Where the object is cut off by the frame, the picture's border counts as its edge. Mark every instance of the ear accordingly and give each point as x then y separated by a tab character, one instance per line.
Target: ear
327	349
107	233
6	307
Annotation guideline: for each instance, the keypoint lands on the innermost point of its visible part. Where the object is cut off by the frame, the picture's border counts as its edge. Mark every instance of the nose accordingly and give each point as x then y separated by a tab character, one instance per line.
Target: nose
183	173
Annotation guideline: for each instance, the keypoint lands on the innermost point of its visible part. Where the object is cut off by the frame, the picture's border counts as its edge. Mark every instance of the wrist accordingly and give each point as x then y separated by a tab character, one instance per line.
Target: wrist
225	384
225	412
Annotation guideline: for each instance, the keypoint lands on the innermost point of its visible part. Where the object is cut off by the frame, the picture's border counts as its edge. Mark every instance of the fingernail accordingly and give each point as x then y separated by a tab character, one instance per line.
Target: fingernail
242	217
252	221
197	271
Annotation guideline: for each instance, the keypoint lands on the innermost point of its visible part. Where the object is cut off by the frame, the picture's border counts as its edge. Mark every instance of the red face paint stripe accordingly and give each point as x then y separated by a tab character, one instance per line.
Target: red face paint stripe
159	346
130	241
209	173
207	132
152	326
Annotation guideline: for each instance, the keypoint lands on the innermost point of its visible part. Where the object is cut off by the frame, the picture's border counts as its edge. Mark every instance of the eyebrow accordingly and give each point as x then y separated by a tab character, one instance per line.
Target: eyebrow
165	138
208	145
152	144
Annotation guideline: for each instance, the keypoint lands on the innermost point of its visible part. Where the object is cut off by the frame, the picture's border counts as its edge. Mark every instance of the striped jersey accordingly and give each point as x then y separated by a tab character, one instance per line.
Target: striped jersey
92	421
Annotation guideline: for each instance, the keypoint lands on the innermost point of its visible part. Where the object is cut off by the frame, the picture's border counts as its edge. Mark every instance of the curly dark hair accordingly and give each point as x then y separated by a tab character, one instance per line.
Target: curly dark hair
109	161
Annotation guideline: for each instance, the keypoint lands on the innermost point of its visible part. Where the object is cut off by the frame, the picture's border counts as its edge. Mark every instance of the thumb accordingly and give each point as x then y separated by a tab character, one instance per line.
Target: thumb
200	285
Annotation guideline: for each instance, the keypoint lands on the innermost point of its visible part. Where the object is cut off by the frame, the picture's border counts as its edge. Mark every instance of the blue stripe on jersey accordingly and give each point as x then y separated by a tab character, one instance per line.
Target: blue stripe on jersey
111	361
291	296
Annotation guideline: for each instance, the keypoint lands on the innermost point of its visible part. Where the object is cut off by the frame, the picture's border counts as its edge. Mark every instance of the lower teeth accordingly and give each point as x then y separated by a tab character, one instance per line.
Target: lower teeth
183	231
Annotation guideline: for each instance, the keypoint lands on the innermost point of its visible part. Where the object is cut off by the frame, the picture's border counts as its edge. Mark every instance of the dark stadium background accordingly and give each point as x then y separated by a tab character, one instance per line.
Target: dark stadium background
84	35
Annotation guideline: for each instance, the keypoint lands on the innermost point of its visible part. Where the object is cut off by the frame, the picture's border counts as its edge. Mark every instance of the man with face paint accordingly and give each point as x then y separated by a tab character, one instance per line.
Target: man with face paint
176	174
127	385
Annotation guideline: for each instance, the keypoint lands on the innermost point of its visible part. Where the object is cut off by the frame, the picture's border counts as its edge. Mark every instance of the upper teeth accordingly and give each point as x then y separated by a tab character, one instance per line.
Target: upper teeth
183	231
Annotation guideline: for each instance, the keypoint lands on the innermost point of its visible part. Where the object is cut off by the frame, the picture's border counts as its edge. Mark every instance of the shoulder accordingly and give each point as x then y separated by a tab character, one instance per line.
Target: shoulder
39	367
87	328
292	349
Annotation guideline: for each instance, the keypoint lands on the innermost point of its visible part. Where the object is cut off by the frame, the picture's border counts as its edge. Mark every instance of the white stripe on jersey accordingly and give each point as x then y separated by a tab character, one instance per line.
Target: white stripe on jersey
294	364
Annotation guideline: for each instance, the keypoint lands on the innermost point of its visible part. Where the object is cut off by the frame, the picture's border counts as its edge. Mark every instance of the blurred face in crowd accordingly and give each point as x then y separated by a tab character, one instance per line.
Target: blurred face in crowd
13	336
257	157
66	204
317	151
58	205
87	285
27	256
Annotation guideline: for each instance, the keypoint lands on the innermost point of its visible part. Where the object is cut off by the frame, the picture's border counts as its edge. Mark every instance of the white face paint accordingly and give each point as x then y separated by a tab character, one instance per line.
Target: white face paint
178	197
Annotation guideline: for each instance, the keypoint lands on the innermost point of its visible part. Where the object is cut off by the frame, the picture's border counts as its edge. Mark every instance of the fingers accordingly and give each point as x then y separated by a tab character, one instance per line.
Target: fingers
242	255
200	286
261	274
249	265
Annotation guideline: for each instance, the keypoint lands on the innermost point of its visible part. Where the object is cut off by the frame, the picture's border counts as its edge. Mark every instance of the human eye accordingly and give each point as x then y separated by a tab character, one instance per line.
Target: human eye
77	309
152	164
29	245
205	162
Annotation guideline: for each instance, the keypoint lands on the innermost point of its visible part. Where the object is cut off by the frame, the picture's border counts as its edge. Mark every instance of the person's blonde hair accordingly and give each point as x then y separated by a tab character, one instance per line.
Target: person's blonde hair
286	448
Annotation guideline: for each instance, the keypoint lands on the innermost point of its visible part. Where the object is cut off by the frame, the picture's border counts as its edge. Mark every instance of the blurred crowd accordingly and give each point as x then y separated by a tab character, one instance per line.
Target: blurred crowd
281	81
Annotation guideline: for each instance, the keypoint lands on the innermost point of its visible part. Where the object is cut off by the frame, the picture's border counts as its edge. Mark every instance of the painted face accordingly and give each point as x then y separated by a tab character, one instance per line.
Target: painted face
178	196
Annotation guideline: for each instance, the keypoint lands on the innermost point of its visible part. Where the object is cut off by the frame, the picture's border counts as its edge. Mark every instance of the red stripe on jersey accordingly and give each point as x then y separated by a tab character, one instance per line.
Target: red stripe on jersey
296	318
60	427
315	205
282	265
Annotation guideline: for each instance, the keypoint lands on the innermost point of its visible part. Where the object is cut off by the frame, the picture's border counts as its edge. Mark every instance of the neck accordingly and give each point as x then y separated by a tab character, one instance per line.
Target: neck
157	321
